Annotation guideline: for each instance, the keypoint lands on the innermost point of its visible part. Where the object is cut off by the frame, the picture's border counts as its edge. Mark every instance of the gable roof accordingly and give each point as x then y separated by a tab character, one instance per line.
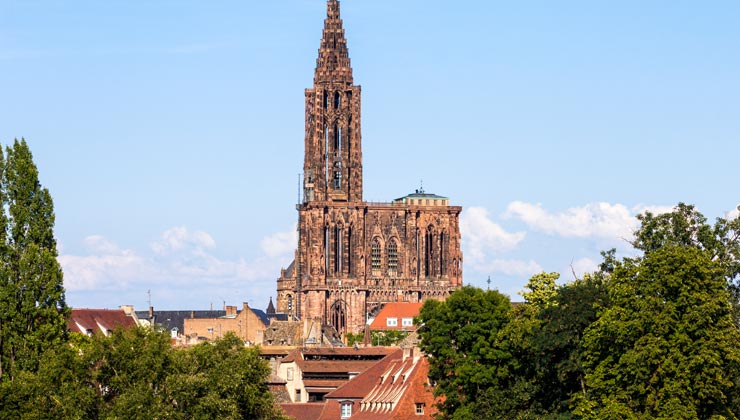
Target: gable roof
398	310
262	316
98	320
381	391
357	388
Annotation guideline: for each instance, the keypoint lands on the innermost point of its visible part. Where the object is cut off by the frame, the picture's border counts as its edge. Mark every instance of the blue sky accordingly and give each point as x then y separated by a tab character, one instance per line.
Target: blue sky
170	133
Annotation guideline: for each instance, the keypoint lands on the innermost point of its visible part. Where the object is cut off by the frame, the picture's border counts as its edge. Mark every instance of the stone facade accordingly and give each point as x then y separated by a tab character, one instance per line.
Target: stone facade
247	324
354	256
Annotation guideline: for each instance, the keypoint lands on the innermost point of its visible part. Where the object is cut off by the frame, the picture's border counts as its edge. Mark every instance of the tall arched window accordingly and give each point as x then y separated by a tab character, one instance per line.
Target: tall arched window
429	252
338	317
392	258
349	251
337	139
442	238
375	253
326	250
338	249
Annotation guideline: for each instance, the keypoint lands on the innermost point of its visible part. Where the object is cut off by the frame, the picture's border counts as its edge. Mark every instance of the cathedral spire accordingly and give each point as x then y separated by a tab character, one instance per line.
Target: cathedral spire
333	64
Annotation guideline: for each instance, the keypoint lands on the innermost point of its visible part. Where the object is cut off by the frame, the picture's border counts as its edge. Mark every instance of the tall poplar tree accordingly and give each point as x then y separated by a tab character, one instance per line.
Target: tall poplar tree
33	311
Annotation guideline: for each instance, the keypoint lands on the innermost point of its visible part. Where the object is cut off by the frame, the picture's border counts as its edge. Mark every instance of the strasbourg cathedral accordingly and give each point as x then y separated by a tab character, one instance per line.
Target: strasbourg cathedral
354	256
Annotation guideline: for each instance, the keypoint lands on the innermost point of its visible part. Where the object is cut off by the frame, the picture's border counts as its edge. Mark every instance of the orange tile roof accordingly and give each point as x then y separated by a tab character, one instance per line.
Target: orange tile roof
398	310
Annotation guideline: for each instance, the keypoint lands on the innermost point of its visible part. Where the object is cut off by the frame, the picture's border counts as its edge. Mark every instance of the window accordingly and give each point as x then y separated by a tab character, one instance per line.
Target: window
391	322
338	250
375	257
419	409
346	410
337	180
407	322
298	395
290	303
392	258
289	375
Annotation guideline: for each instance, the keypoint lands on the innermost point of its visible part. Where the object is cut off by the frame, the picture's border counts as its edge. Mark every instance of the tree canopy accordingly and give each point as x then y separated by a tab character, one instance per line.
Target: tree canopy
648	337
33	311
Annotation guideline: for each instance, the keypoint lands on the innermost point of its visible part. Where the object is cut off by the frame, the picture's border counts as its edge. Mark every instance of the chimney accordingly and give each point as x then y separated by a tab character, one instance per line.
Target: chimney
192	314
408	352
151	312
230	310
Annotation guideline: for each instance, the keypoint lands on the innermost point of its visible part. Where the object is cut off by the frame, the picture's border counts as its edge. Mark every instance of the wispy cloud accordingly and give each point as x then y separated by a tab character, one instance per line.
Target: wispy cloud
481	235
180	259
733	214
591	220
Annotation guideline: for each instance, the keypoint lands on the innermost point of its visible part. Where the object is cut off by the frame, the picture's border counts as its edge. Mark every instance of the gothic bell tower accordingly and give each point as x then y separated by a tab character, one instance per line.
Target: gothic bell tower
332	169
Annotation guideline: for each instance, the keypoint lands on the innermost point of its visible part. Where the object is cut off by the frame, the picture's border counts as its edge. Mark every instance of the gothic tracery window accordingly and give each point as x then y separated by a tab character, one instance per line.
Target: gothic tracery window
392	258
375	257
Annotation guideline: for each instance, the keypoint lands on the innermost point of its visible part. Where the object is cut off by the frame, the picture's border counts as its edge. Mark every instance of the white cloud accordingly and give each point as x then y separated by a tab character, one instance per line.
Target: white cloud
99	245
180	238
582	266
481	235
181	261
280	243
642	208
107	268
517	268
733	214
592	220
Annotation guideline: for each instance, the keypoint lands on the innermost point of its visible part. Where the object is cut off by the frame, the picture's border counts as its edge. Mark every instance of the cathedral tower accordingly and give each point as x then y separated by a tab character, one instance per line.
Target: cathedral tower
332	170
354	256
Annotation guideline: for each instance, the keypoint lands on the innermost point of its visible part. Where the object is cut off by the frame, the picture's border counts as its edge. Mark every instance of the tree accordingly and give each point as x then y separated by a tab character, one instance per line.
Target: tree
667	345
33	311
467	358
223	380
686	226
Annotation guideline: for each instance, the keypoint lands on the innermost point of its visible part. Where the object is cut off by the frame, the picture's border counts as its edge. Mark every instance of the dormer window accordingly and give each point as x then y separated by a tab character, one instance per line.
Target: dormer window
346	410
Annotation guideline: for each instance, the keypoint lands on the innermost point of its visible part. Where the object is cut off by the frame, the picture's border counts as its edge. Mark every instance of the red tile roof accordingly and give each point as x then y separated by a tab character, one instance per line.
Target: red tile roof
303	411
380	392
98	320
358	387
398	310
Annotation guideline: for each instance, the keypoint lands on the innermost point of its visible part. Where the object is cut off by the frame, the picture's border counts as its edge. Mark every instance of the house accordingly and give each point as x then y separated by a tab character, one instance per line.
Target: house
397	316
311	373
105	321
174	321
394	388
249	324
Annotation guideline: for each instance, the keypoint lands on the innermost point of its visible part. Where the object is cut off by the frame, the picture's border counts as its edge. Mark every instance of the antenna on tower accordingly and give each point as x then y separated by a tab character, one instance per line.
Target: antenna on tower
149	297
489	283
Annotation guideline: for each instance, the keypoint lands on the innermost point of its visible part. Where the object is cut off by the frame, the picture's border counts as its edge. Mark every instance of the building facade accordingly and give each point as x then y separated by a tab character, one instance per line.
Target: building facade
354	256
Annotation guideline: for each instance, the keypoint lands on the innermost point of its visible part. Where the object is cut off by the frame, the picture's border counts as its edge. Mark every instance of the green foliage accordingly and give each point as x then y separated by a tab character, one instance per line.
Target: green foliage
32	307
541	290
136	374
388	338
353	339
667	345
468	359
